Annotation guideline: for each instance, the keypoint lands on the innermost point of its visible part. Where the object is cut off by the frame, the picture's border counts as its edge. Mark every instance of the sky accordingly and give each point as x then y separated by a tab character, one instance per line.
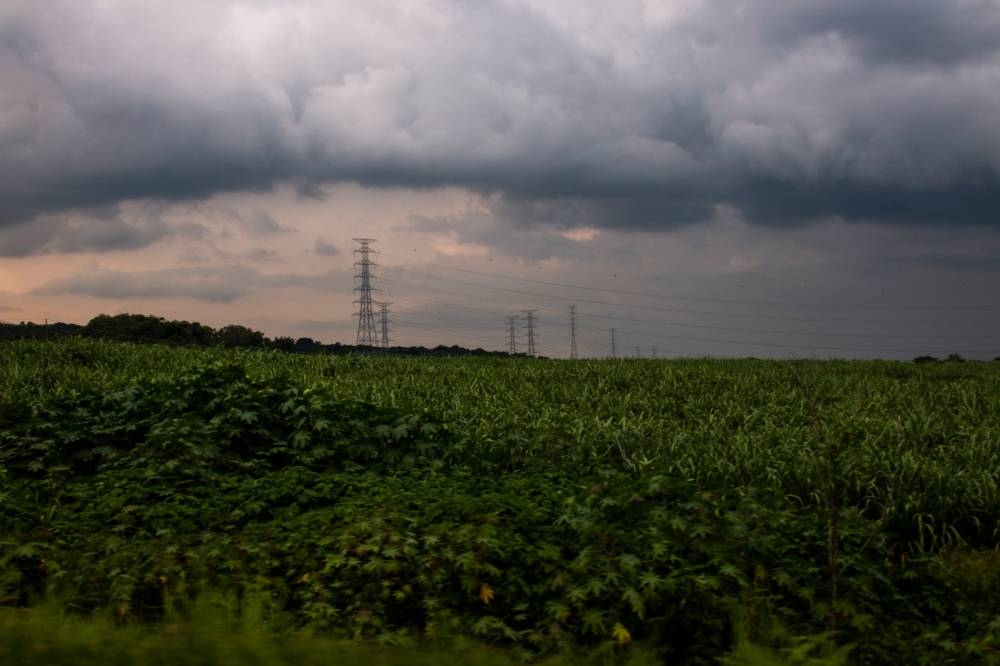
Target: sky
749	178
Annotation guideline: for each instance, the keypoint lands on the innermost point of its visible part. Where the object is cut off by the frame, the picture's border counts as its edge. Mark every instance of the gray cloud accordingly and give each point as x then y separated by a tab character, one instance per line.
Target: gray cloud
262	224
93	230
325	248
216	285
533	240
310	190
644	117
261	254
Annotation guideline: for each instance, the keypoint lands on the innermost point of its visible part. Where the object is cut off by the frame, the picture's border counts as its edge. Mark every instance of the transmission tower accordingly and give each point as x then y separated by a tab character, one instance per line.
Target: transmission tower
613	352
638	352
384	323
572	331
367	333
529	316
512	334
654	351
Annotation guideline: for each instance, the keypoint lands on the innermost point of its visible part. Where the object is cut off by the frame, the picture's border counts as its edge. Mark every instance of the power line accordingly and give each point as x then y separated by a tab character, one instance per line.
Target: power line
657	308
778	345
666	336
706	299
729	328
474	339
708	326
771	331
486	317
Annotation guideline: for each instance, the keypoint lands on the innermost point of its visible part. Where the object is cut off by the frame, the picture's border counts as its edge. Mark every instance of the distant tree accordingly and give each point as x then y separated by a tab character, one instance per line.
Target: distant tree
147	328
307	345
235	335
955	358
37	331
191	333
284	343
925	359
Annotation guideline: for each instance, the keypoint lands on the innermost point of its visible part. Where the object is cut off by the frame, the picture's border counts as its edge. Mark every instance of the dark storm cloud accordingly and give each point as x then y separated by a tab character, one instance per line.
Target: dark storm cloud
974	201
570	114
962	263
896	31
636	211
216	284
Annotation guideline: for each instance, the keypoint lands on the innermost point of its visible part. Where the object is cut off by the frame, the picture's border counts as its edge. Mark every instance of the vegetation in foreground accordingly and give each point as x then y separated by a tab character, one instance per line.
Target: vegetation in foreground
839	510
217	636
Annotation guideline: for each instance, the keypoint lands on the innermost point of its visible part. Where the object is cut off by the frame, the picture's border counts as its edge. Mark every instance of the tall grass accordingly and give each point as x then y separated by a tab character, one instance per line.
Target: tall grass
46	636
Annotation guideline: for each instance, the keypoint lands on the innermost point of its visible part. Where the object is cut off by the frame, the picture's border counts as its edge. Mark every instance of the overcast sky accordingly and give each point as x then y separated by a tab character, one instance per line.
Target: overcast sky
745	178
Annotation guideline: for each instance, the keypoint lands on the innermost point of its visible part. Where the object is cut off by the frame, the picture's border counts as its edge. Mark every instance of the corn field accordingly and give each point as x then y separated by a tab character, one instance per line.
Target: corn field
544	507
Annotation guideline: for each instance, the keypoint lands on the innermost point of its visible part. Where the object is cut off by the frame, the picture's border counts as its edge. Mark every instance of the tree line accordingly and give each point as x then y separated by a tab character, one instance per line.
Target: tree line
152	329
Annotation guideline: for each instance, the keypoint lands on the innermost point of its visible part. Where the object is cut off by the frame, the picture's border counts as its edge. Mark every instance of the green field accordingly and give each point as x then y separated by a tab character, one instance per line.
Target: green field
501	509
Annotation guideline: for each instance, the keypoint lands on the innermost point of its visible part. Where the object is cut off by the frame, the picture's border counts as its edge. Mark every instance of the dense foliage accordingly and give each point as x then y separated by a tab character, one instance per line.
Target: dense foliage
543	506
145	328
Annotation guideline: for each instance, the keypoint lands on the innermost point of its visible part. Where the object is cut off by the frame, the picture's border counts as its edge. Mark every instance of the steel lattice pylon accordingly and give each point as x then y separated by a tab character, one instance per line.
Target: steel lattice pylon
367	331
512	335
529	318
384	323
572	331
